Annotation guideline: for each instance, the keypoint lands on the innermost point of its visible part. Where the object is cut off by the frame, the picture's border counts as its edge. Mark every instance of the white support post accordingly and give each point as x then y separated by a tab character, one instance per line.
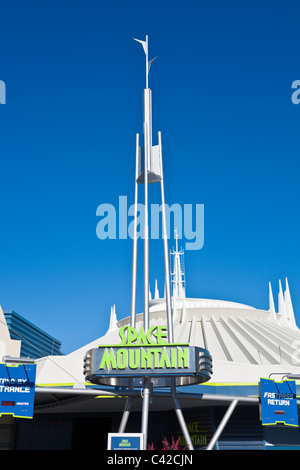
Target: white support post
125	415
134	242
181	420
147	150
145	410
222	425
166	249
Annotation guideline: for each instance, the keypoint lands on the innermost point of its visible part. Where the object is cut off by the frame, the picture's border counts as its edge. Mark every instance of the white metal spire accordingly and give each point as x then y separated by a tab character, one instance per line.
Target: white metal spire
178	275
271	300
148	62
149	169
289	306
285	314
113	318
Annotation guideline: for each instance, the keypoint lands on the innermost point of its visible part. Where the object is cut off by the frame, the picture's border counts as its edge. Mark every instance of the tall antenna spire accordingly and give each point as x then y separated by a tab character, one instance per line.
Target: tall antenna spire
113	317
178	275
148	62
149	169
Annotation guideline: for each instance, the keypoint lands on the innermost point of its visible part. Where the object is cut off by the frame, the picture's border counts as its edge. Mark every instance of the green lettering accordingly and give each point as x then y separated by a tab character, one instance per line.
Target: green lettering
156	352
131	335
164	359
183	357
149	333
193	426
134	356
146	357
160	334
173	357
141	339
122	357
122	335
108	360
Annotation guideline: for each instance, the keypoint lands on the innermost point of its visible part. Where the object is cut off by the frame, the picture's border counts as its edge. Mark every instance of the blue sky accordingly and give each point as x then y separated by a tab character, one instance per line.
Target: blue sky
221	98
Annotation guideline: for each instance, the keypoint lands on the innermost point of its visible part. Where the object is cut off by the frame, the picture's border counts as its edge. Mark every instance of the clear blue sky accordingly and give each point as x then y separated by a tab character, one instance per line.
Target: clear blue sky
222	100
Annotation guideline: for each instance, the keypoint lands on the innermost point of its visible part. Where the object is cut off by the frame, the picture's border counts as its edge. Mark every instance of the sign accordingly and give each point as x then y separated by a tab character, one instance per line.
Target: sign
128	441
199	426
141	354
197	434
278	402
17	388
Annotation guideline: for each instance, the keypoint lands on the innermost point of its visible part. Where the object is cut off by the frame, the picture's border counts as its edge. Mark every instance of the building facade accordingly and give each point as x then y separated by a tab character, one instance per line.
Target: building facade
246	344
34	341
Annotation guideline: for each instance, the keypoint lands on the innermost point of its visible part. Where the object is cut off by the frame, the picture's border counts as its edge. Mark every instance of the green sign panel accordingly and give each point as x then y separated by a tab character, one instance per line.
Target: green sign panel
139	351
141	354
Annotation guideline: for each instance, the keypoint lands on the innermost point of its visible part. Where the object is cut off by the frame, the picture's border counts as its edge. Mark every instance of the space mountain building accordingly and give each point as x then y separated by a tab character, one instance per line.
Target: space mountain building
246	344
203	386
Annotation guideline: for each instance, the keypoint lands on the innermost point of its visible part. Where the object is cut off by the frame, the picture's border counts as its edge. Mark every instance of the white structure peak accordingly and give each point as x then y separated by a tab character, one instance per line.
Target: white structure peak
178	273
113	318
285	314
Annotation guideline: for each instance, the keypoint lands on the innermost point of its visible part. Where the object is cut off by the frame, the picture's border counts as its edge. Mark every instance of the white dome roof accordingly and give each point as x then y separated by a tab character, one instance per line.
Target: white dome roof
245	343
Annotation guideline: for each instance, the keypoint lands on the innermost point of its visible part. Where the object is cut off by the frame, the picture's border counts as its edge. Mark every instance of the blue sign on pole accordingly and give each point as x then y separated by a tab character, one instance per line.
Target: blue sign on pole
126	441
278	402
17	388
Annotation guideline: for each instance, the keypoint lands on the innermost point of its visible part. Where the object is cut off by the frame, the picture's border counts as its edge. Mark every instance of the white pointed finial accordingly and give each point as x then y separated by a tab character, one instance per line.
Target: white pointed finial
144	44
113	317
156	293
176	239
271	300
281	304
178	274
288	304
148	62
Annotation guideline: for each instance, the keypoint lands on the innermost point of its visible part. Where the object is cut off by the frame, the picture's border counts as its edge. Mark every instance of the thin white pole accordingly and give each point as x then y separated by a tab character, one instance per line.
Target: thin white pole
145	410
181	421
147	150
222	425
147	156
166	250
180	416
125	415
146	52
127	408
134	243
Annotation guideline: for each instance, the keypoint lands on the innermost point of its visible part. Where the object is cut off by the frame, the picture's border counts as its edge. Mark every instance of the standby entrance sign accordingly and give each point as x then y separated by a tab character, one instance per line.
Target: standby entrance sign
278	402
17	388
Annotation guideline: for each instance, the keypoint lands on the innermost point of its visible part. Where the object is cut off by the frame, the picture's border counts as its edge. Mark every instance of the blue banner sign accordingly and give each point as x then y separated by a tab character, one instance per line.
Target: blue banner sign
278	402
127	441
17	388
